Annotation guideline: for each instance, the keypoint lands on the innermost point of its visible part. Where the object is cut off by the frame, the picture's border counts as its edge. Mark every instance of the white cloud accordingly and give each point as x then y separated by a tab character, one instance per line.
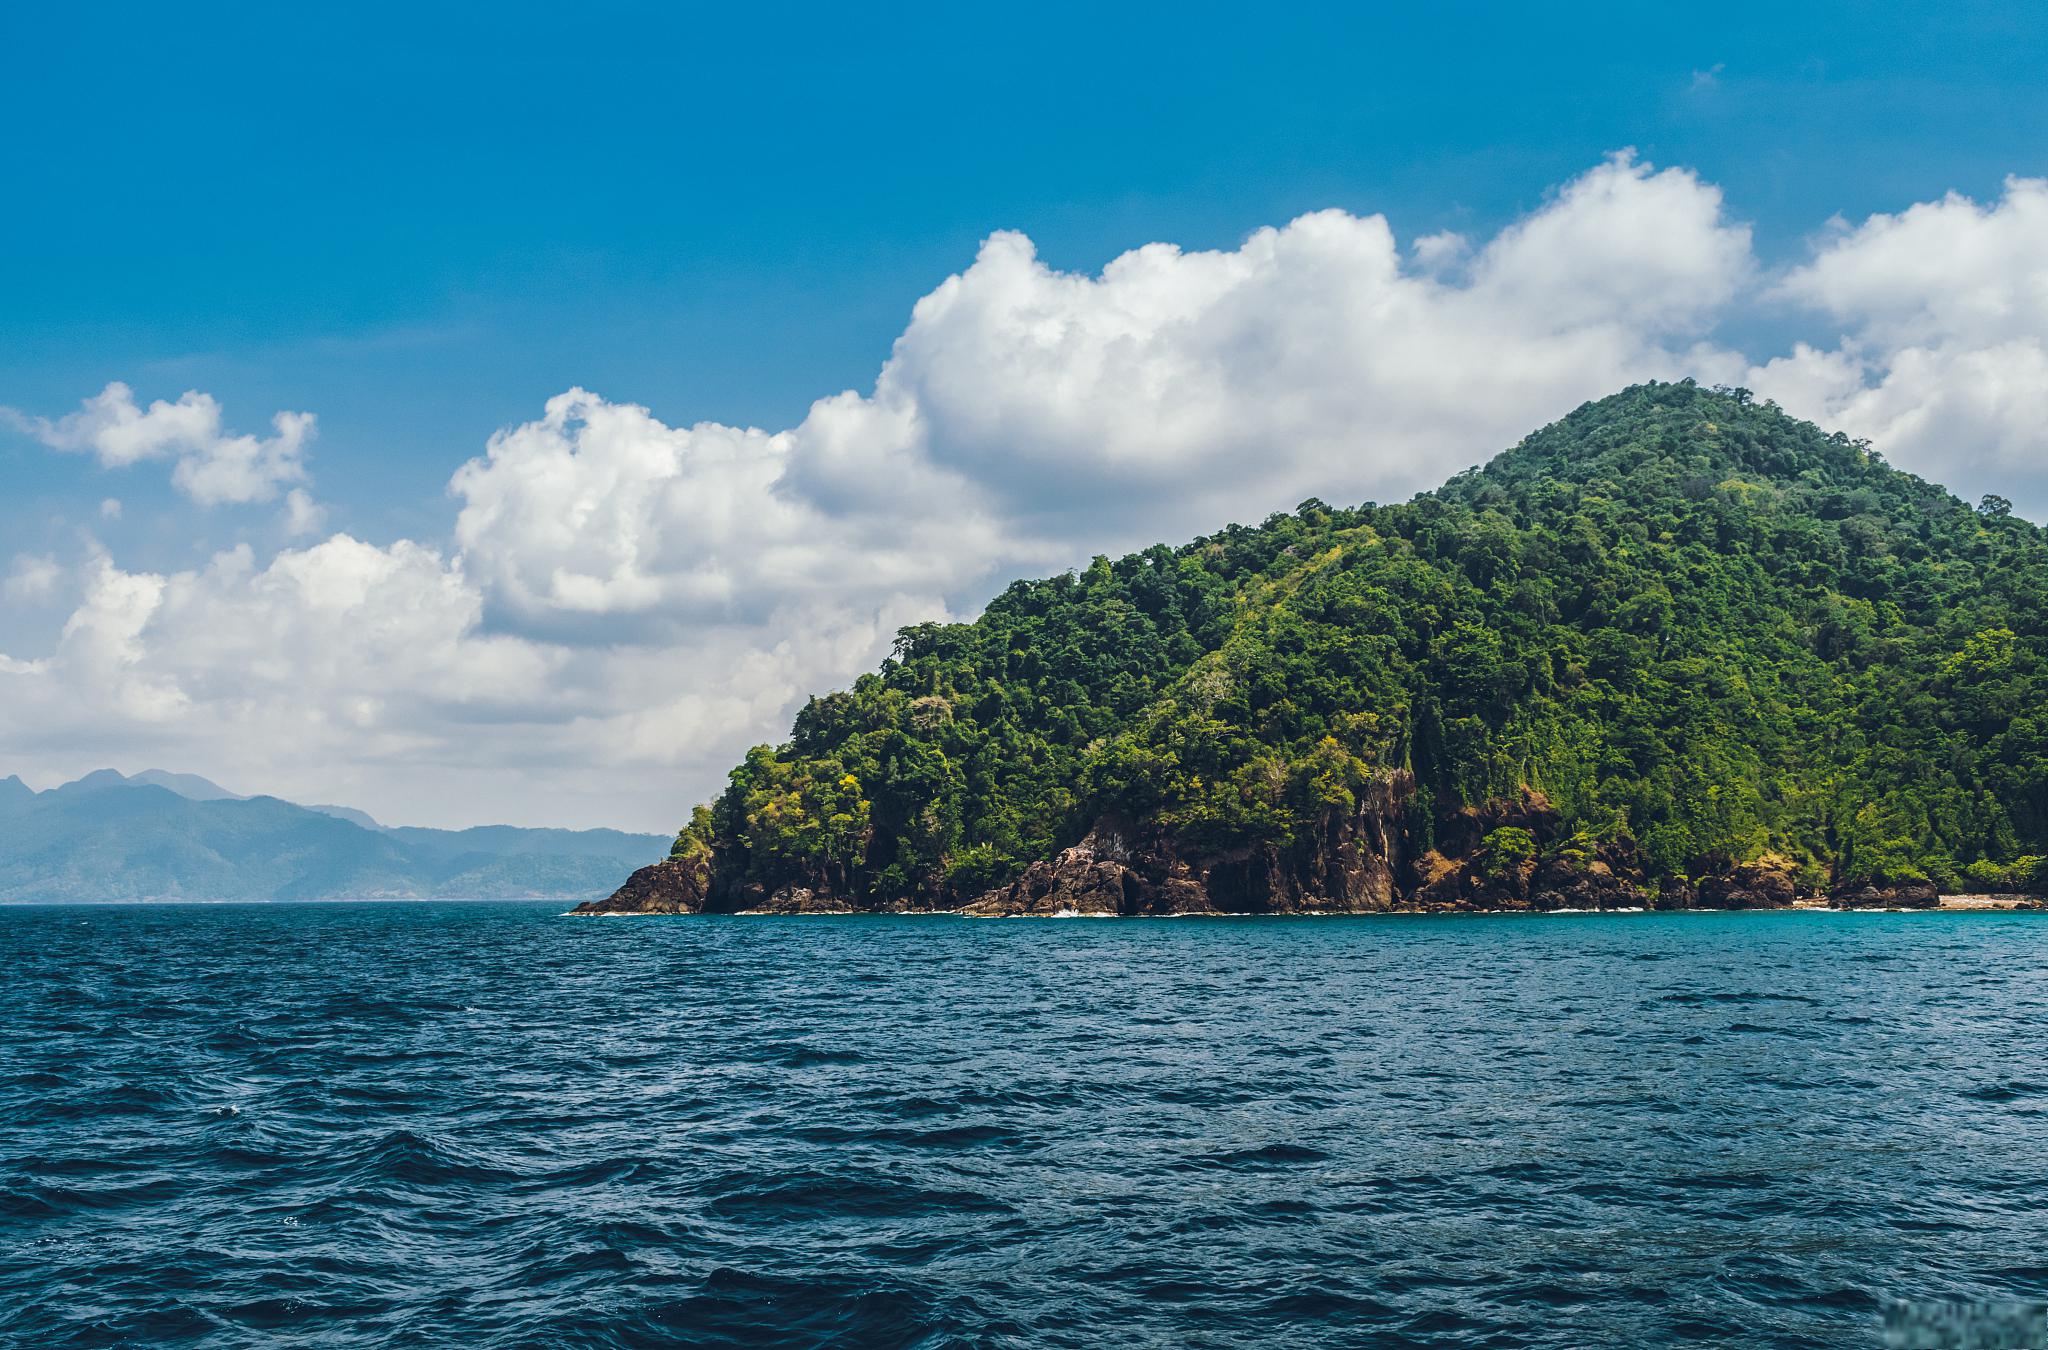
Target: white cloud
1938	270
32	578
600	509
1028	416
1435	252
213	465
1652	253
627	602
110	509
343	650
113	427
1943	357
302	515
346	663
639	598
1180	389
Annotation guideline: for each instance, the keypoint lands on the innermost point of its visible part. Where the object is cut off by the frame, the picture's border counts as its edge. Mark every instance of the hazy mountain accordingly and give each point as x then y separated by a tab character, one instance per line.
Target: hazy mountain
168	836
187	785
347	813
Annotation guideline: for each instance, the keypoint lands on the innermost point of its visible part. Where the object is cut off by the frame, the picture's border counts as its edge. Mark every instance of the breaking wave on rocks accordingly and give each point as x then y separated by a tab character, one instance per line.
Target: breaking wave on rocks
410	1125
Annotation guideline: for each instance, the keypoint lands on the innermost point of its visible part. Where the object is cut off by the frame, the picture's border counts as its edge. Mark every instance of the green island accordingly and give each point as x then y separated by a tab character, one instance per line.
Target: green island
1677	649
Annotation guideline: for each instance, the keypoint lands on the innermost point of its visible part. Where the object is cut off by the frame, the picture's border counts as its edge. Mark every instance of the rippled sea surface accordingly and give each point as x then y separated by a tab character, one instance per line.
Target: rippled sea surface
485	1125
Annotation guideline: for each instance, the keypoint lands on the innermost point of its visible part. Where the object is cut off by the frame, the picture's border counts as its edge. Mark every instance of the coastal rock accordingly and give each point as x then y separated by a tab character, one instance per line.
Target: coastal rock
1770	882
1611	880
1886	895
672	886
1361	860
1446	883
1353	863
1459	875
1094	877
797	900
1462	833
1361	855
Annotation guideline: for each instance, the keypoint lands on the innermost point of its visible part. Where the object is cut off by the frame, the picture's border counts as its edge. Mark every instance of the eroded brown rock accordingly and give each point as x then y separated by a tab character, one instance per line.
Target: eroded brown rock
1771	882
798	900
1094	877
1361	861
1611	879
1460	875
672	886
1886	895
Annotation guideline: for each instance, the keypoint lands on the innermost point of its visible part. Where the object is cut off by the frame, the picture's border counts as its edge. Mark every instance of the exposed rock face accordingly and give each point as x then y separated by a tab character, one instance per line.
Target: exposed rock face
1612	879
1361	857
1609	879
1459	874
1771	882
1098	876
1126	868
694	885
793	900
672	886
1887	895
1364	861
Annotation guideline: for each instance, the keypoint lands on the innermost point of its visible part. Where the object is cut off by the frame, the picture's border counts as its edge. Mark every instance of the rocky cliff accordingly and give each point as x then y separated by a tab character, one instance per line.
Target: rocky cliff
672	886
1359	862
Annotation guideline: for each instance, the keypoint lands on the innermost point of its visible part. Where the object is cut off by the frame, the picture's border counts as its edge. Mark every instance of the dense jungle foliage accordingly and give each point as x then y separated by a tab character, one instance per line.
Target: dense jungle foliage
1689	619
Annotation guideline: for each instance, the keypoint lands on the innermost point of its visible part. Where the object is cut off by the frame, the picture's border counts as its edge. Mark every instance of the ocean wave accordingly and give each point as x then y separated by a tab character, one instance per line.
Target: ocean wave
378	1126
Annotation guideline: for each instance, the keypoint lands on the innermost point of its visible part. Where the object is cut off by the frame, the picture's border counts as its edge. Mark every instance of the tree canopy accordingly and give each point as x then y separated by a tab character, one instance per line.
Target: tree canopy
1685	617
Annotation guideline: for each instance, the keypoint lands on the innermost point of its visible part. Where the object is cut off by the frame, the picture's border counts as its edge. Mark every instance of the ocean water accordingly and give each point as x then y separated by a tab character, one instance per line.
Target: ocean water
484	1125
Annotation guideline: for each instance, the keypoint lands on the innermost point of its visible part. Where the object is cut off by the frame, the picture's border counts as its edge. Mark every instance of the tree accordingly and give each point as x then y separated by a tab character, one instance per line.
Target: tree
1708	631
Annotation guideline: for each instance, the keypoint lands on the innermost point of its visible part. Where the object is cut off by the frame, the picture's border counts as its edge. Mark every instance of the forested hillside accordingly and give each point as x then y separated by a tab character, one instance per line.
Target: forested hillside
1675	645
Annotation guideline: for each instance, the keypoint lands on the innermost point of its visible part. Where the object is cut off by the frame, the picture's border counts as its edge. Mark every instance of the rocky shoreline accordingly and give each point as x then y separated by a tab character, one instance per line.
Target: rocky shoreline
1503	857
805	903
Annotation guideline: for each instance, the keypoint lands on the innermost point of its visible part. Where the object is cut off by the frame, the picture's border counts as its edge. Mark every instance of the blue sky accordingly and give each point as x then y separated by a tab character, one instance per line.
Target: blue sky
420	224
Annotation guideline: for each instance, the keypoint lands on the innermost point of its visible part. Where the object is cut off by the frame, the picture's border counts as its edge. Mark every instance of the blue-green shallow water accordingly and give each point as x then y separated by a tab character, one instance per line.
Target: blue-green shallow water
483	1125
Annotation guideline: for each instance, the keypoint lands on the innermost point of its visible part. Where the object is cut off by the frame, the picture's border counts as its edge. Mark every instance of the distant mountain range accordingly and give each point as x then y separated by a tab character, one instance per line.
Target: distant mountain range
176	836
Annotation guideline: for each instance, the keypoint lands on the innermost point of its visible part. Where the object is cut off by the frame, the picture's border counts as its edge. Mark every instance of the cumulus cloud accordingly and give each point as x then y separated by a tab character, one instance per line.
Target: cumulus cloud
1938	270
212	465
302	515
349	663
600	509
626	602
1028	416
626	592
1942	358
1434	252
341	650
31	578
1177	389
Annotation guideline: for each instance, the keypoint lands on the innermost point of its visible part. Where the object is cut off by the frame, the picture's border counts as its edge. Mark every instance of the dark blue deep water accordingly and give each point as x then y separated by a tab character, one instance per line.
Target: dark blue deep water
484	1125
